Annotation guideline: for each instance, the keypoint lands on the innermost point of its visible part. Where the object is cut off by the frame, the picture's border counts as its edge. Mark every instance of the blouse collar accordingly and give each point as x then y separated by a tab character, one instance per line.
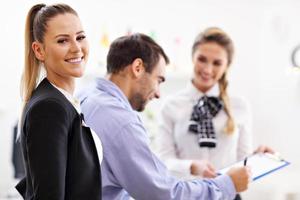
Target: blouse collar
75	102
195	93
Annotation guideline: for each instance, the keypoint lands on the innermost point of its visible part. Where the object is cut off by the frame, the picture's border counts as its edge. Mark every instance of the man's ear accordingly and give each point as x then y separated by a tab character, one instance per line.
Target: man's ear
137	67
38	50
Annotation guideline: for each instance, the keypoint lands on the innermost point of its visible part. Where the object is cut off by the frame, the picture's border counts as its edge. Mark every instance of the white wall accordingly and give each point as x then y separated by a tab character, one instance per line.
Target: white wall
264	33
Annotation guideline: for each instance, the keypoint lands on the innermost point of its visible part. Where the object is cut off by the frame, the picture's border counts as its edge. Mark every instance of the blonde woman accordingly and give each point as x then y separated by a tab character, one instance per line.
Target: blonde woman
62	158
202	128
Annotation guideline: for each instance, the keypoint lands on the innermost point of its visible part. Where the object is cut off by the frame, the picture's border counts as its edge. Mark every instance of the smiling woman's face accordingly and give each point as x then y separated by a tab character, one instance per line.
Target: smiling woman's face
65	49
210	62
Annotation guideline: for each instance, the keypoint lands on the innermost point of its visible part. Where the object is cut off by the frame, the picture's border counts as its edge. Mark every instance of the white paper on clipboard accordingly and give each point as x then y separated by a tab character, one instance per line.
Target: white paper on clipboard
261	164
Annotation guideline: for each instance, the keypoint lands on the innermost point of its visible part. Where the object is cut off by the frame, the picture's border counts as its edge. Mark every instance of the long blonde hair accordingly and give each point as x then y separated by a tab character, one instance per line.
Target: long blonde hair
214	34
35	29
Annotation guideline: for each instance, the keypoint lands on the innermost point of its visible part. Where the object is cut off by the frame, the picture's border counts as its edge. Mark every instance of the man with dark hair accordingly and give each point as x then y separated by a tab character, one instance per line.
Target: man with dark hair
125	49
136	67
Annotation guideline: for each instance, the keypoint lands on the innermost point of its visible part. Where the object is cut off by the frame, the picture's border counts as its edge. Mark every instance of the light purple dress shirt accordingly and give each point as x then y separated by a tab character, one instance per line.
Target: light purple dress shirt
129	167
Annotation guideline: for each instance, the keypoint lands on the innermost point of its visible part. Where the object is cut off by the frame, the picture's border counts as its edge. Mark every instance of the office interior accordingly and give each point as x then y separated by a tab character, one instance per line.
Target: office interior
265	70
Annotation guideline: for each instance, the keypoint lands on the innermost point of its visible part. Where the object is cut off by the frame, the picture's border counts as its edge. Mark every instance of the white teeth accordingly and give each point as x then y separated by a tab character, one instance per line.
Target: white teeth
74	60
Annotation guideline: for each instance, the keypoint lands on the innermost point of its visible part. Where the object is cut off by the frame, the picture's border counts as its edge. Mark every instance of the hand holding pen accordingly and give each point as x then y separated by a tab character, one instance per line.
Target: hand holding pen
240	177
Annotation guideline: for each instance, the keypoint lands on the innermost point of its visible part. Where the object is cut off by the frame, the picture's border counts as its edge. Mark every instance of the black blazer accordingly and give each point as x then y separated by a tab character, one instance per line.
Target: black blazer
61	160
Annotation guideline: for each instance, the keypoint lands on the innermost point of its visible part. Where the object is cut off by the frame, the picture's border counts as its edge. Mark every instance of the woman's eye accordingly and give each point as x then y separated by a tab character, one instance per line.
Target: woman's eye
61	41
201	59
217	63
82	37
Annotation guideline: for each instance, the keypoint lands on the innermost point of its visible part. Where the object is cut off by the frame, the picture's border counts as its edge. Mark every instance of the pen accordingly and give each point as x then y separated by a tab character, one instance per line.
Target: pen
245	161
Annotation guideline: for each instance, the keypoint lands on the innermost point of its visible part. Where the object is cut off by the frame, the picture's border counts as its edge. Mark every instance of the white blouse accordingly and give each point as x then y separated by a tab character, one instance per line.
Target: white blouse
178	147
76	105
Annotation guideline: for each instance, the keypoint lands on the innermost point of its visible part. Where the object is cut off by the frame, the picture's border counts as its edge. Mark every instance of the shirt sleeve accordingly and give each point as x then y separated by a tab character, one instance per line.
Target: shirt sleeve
166	147
245	131
47	141
144	176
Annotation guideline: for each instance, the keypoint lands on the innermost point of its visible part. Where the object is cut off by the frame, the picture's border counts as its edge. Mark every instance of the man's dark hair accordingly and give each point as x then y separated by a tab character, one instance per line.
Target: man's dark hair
124	50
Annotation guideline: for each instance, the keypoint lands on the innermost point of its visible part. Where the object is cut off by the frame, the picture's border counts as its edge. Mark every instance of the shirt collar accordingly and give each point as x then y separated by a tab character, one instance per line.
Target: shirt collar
70	98
112	89
196	94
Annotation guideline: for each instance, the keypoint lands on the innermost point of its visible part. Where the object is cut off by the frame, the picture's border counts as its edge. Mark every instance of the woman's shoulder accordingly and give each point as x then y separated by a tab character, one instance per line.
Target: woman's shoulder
178	101
49	102
47	106
239	103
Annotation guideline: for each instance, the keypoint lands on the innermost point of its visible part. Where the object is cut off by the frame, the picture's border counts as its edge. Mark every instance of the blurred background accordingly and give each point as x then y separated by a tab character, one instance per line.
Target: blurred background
265	33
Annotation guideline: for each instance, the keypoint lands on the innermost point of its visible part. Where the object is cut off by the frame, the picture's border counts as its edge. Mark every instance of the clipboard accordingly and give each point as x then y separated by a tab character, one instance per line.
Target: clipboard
261	164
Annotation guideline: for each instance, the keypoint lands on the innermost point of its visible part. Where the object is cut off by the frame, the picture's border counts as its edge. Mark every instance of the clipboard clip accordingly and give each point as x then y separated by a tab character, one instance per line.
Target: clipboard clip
275	156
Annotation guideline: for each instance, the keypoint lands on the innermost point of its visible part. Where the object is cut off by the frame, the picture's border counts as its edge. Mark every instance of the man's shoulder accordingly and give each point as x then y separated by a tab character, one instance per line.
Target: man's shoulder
101	100
107	109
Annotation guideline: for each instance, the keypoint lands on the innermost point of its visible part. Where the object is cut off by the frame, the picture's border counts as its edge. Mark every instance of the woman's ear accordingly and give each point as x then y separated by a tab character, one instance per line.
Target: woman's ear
137	67
38	50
